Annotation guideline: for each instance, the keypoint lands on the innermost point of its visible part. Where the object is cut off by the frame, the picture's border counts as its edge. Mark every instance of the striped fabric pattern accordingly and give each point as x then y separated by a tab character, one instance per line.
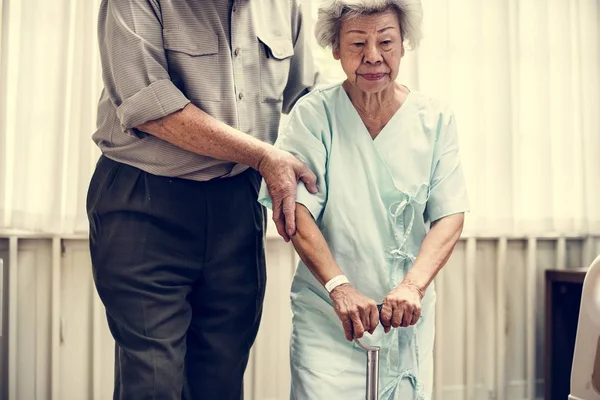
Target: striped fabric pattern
241	61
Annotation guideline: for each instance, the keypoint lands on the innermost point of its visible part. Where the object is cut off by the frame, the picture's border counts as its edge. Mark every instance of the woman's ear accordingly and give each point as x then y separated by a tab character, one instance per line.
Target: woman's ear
402	51
336	53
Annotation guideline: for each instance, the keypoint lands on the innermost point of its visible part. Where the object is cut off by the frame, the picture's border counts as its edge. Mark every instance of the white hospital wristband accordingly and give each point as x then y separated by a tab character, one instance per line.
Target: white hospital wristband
335	282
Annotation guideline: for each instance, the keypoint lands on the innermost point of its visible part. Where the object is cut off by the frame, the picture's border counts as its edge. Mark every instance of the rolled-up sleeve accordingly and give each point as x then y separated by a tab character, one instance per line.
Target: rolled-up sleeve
134	63
448	190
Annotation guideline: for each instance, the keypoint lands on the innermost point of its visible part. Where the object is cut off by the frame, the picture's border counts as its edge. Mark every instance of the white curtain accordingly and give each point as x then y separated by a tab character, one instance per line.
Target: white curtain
522	76
51	83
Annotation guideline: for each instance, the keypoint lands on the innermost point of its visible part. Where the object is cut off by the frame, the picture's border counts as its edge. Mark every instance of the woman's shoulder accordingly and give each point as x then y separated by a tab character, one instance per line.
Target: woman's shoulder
430	105
316	108
312	115
320	97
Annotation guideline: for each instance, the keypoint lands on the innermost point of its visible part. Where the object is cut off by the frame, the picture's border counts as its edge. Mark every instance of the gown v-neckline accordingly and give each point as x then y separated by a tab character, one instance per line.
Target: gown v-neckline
361	123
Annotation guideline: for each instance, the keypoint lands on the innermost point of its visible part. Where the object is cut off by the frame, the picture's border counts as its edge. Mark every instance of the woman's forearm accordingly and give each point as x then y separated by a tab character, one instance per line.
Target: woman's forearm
357	312
312	247
435	251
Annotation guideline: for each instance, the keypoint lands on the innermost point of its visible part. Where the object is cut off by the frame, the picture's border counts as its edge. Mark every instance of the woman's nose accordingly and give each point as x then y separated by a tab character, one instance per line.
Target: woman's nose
372	55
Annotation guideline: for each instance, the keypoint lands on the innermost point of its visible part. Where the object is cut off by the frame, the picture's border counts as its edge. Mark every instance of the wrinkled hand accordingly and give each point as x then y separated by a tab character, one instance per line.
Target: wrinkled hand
401	307
281	172
357	312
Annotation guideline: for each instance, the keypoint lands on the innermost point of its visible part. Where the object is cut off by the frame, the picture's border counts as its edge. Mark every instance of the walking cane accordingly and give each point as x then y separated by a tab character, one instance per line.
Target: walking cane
372	370
372	392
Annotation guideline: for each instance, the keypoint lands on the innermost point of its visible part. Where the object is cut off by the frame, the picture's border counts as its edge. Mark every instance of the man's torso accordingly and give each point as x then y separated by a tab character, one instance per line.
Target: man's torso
229	58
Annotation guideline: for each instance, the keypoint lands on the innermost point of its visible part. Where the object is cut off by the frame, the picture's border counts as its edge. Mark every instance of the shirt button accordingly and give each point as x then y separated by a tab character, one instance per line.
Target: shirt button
241	96
234	8
236	52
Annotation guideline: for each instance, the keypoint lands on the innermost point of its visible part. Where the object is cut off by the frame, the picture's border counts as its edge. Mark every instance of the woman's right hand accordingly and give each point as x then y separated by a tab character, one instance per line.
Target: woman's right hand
358	313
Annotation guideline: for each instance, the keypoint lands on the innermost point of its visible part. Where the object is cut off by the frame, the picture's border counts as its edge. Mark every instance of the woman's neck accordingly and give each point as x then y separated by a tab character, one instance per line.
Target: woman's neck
376	109
372	103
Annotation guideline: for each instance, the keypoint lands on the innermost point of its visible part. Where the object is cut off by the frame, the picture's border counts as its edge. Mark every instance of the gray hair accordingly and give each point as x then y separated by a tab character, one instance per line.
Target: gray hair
333	12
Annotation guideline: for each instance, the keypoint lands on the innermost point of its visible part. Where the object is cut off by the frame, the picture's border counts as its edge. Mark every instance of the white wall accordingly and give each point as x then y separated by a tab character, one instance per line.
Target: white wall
61	347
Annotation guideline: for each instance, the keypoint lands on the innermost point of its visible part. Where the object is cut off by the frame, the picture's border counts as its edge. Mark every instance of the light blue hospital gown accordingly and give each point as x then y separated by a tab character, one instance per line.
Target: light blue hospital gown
375	199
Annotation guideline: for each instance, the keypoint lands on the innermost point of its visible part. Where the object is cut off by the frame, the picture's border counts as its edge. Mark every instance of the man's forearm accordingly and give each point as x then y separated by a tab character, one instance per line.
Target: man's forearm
194	130
312	247
435	251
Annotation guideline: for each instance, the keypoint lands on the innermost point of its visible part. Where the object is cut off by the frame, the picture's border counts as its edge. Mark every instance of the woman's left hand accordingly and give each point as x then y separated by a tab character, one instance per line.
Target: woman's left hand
401	307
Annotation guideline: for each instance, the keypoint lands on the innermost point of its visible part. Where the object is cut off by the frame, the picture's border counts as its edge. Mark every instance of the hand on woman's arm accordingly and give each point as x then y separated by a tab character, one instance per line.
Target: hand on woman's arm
357	312
196	131
402	306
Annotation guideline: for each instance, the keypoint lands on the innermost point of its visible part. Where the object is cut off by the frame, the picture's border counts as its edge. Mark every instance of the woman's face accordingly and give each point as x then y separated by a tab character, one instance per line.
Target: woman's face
370	50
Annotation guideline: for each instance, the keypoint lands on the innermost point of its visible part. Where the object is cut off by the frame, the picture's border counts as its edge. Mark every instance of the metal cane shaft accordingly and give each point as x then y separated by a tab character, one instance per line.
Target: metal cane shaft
372	375
372	392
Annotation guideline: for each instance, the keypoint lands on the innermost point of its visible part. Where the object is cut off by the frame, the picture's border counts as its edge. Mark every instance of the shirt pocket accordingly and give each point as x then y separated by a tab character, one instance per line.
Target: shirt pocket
193	58
275	57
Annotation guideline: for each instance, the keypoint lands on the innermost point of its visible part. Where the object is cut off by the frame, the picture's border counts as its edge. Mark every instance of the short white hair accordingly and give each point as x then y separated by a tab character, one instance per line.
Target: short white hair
333	12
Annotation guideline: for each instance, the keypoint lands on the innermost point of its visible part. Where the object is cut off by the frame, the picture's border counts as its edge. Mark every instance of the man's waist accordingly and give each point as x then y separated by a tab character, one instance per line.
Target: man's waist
171	161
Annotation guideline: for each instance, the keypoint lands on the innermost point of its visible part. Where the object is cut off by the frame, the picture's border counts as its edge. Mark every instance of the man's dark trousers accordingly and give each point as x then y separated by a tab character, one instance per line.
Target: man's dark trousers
180	268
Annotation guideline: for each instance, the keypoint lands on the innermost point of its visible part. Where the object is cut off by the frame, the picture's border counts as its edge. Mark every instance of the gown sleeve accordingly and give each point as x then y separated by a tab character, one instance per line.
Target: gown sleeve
305	137
448	189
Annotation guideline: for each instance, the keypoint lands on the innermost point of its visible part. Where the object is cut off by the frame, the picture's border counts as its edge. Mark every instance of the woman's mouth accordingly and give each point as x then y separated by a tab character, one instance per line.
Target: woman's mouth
373	77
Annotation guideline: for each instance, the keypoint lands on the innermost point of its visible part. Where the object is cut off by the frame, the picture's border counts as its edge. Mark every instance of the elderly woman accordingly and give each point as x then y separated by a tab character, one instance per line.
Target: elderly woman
388	213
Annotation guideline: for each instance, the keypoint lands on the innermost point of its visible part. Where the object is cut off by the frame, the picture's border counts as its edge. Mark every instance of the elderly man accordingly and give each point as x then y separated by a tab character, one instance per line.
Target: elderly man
191	104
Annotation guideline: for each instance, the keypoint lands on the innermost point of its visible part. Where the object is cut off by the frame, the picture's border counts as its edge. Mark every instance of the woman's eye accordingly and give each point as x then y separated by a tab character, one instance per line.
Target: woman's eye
358	44
386	42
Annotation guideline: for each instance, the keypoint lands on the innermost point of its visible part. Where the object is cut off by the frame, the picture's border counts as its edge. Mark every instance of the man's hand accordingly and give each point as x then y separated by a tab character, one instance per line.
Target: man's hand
281	172
401	307
357	312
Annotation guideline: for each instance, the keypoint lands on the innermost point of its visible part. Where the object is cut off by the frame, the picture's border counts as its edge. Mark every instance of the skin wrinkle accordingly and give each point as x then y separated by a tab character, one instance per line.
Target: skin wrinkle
314	252
372	44
196	131
389	247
